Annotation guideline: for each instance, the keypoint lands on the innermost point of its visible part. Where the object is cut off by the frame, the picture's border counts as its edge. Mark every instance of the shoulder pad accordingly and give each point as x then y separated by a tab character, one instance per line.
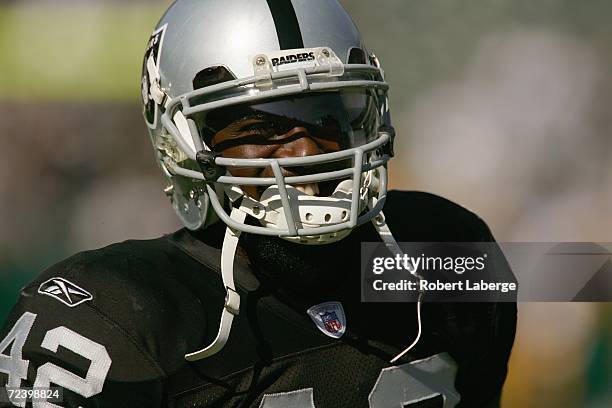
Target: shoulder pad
149	291
425	217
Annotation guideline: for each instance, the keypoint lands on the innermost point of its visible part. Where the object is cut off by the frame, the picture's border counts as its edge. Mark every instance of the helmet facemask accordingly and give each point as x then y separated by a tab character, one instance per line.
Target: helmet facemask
342	106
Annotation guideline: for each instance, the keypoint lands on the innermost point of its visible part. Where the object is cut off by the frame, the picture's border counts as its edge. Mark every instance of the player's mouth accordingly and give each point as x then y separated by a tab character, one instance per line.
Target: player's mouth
321	189
312	189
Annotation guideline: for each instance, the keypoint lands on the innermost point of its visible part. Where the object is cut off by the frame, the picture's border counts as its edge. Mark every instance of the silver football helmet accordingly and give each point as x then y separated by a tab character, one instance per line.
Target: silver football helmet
286	63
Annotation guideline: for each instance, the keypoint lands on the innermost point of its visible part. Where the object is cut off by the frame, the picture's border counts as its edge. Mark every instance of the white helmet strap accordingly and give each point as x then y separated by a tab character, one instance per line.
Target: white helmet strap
232	298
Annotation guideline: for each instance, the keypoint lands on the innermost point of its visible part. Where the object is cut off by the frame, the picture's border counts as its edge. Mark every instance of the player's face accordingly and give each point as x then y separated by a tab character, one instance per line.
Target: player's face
265	136
297	126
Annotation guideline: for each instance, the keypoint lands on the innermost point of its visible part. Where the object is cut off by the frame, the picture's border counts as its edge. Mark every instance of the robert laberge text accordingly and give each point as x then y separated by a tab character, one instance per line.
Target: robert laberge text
437	285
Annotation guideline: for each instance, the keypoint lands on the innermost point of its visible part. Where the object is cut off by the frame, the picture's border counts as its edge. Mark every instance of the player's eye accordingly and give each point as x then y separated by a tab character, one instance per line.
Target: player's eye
263	127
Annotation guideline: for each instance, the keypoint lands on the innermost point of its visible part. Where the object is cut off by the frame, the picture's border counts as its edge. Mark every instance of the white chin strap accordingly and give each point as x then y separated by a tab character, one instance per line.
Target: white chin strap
232	298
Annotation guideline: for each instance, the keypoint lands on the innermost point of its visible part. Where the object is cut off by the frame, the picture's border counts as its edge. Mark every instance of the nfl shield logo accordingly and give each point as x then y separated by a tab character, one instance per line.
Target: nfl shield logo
329	318
331	322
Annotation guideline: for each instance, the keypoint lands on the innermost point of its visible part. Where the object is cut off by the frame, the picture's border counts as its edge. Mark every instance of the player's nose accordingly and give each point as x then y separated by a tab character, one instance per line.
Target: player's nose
301	144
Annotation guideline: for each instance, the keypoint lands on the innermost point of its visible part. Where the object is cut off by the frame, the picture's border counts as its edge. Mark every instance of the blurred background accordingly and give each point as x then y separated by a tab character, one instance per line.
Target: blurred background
500	105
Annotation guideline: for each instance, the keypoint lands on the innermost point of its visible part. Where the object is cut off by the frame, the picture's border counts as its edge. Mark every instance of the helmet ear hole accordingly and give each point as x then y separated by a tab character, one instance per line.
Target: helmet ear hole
357	56
211	76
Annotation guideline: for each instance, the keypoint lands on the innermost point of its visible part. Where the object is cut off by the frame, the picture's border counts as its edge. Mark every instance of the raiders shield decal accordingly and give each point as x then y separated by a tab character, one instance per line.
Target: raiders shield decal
150	77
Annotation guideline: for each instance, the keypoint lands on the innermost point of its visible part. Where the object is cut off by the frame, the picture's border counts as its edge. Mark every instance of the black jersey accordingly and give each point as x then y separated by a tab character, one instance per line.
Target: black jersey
112	326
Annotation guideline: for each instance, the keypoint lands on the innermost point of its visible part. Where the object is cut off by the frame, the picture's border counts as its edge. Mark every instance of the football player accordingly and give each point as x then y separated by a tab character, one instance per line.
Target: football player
270	121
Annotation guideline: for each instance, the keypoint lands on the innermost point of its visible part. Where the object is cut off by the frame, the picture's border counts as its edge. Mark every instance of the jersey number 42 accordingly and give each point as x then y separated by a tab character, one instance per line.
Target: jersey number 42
13	364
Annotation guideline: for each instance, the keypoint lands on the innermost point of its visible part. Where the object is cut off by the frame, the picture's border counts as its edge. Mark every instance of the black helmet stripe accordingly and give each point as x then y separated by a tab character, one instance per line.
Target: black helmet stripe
286	23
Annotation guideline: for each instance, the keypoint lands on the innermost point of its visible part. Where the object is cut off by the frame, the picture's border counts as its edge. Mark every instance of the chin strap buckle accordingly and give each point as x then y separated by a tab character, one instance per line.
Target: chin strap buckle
210	169
232	301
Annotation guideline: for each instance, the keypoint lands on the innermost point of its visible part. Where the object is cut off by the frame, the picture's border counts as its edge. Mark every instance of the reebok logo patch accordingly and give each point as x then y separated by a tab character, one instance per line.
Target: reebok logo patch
65	291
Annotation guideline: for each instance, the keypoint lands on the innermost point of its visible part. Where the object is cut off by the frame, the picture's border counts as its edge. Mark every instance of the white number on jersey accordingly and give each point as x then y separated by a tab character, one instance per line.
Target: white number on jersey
432	378
47	374
13	364
417	381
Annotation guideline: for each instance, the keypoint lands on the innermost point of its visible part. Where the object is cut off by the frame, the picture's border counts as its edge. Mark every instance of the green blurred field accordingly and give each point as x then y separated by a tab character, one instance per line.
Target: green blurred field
41	58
